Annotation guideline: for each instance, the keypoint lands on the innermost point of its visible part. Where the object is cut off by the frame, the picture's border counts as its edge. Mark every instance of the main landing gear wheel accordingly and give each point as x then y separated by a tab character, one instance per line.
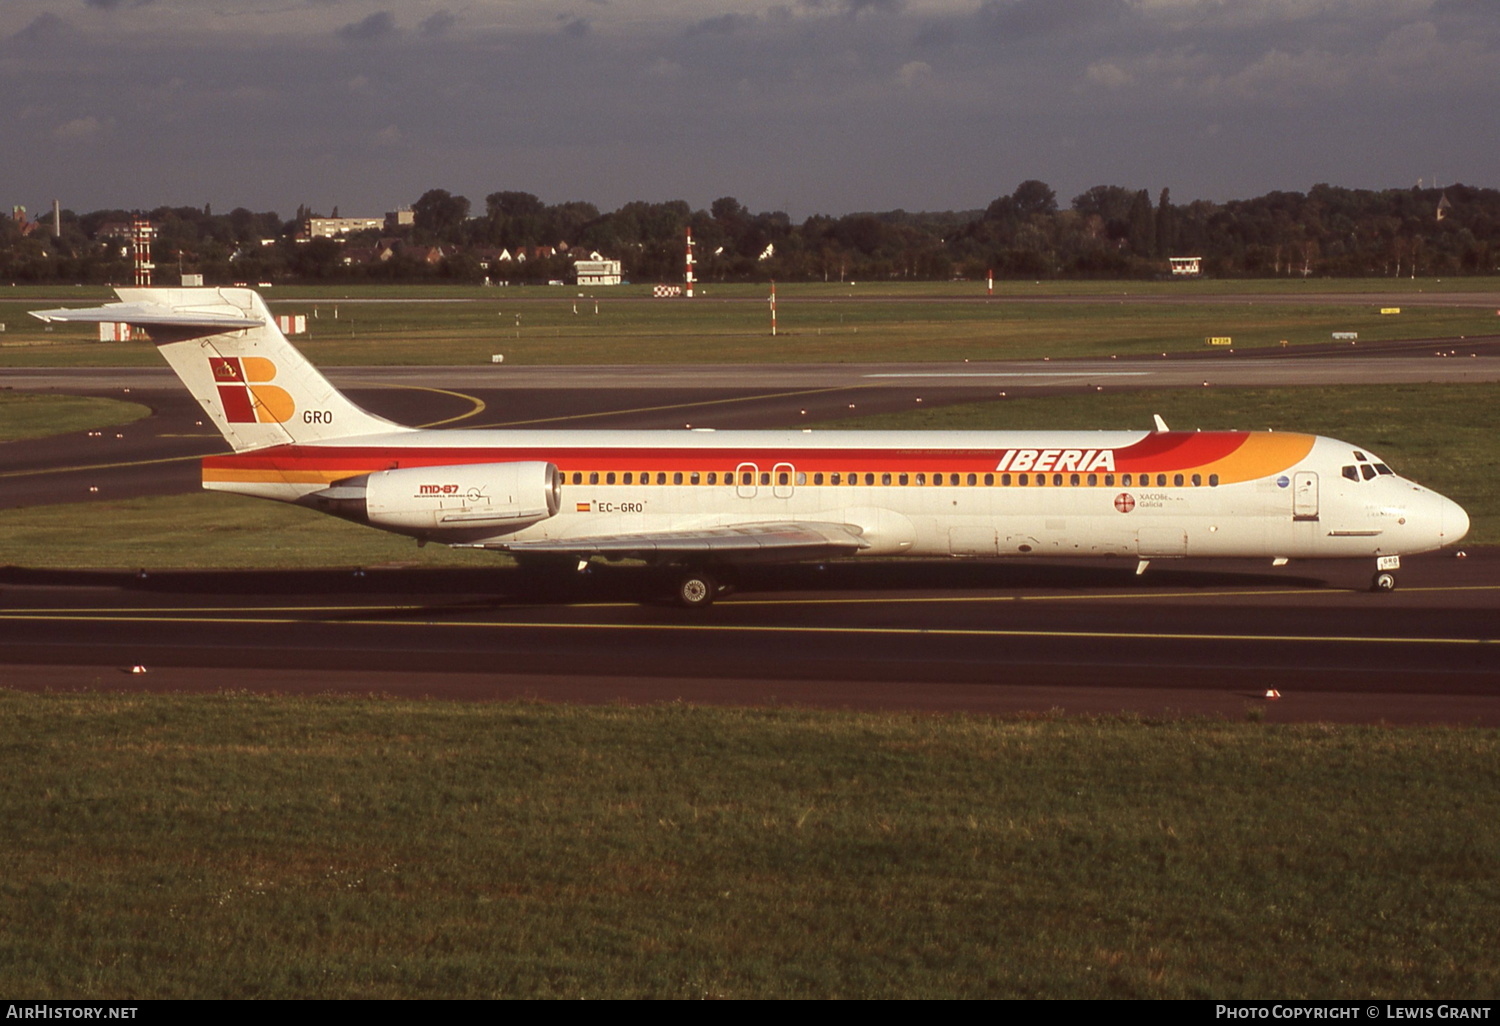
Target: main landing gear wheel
696	590
1383	582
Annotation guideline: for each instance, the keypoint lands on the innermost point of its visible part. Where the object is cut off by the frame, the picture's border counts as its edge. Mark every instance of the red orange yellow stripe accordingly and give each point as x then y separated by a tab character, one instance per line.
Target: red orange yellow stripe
1232	456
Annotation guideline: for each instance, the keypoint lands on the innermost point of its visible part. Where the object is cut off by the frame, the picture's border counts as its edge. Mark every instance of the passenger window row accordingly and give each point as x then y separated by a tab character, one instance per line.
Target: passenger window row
744	478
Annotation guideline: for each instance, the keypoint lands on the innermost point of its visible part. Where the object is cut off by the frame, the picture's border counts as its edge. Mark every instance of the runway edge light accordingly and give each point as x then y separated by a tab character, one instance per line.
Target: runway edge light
1272	695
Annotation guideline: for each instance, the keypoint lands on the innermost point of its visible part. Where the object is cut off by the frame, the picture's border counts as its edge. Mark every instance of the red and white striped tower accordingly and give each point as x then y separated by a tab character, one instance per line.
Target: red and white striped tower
773	307
687	274
141	233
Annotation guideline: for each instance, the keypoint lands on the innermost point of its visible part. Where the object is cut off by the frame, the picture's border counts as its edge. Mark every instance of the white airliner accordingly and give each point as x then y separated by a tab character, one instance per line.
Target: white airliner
702	502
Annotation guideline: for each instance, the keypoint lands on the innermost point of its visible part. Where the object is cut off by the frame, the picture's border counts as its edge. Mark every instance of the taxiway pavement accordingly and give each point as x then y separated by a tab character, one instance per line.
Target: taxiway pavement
1201	638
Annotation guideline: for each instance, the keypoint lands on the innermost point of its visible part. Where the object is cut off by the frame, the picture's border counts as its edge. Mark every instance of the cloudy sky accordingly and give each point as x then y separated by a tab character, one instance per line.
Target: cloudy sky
808	106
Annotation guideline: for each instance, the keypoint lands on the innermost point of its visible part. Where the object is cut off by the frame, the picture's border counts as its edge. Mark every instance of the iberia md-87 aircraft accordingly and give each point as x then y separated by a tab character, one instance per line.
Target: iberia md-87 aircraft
703	502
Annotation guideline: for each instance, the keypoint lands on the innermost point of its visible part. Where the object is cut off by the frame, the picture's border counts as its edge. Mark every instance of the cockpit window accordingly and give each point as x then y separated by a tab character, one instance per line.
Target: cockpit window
1351	472
1361	456
1381	468
1367	470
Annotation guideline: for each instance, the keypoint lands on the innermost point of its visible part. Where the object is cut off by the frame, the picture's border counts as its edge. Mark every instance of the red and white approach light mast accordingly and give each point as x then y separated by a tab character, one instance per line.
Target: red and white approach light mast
141	234
687	275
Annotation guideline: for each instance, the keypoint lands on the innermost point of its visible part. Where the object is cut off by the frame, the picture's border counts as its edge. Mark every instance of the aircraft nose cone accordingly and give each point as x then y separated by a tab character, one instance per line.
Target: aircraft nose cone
1455	521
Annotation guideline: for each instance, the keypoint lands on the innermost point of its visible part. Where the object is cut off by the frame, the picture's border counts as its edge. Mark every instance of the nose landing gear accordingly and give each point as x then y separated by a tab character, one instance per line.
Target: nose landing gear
1385	573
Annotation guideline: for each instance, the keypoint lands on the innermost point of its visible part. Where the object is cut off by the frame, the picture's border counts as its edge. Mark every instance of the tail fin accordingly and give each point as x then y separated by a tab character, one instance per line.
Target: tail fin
225	346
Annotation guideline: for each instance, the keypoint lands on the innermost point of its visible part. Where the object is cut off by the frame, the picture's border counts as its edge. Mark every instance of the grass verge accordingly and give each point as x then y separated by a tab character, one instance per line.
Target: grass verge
206	530
30	415
242	846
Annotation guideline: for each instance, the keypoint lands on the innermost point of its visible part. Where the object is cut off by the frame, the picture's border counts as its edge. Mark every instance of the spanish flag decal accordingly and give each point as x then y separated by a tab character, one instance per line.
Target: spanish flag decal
246	393
583	507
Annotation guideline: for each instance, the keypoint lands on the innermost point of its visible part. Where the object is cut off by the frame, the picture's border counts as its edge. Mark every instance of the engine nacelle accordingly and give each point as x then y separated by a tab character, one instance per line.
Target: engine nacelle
475	496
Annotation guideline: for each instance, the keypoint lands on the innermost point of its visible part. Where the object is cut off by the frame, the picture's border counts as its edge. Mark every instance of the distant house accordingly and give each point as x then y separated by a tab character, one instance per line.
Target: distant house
387	249
1186	267
490	257
113	230
123	230
18	217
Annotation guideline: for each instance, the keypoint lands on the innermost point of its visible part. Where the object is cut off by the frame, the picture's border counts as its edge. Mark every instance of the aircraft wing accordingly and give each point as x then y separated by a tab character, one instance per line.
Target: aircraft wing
789	540
148	315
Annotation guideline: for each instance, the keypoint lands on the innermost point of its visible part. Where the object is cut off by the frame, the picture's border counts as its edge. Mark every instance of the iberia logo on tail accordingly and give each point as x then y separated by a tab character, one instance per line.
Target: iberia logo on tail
246	393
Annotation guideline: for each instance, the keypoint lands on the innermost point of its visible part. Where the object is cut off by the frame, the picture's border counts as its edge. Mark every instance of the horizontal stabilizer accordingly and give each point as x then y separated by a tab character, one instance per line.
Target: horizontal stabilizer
791	539
148	315
225	346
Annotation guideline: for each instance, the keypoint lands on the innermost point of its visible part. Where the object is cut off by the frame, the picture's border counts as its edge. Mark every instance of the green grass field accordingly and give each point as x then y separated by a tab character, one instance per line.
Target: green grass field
892	288
816	323
242	846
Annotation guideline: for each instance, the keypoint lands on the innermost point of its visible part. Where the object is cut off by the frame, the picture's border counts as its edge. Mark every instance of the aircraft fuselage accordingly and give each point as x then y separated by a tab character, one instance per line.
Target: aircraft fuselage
1143	494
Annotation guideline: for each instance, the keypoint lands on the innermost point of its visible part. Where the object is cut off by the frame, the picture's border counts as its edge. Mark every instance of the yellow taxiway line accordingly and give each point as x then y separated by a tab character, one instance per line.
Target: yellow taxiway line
478	403
96	466
1238	593
779	629
228	611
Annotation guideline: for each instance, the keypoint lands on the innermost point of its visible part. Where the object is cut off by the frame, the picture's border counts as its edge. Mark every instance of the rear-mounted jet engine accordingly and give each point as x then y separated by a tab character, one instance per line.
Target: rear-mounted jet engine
439	500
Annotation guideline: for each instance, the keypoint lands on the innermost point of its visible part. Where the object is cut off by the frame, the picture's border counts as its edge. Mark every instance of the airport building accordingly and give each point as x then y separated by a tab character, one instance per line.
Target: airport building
334	227
597	272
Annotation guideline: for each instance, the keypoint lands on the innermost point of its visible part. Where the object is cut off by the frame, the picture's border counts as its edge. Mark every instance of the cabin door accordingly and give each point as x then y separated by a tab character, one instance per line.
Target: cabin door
1304	495
745	476
783	480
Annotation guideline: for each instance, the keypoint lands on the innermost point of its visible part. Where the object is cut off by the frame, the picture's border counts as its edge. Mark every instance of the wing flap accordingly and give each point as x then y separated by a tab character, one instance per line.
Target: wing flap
785	540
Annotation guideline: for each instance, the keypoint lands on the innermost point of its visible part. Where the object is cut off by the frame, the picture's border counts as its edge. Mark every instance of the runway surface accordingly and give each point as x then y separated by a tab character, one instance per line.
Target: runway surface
985	636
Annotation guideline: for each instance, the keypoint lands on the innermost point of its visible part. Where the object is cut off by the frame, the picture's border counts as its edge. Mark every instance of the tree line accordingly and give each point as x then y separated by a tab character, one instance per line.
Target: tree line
1106	232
